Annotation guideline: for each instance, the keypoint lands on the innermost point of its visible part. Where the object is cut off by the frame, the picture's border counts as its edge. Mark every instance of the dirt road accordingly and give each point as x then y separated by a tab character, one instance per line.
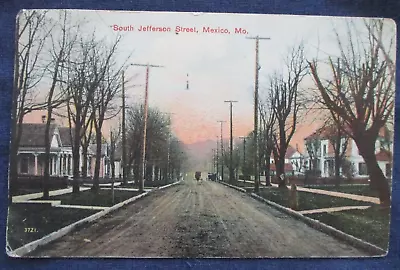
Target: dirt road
197	220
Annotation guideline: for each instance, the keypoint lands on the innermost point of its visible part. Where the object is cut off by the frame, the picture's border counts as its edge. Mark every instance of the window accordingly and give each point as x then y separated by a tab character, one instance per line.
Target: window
324	150
24	165
362	168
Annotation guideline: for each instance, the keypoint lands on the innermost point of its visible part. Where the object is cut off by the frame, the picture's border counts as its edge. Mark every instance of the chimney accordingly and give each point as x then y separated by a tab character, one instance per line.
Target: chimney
43	119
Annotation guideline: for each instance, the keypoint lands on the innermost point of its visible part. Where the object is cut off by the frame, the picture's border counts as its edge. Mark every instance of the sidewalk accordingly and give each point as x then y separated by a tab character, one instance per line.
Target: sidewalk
332	209
127	189
341	194
334	194
26	197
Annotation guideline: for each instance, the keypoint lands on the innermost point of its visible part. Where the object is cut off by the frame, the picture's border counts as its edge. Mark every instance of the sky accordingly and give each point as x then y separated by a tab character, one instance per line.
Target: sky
217	66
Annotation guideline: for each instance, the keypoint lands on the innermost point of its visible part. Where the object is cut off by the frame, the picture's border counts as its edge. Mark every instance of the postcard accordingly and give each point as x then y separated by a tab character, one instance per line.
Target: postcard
200	135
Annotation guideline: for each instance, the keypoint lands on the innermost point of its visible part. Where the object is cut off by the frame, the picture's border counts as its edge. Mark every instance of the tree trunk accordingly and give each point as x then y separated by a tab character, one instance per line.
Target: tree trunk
96	183
76	158
268	166
85	161
337	158
280	170
113	168
46	176
337	170
267	173
377	178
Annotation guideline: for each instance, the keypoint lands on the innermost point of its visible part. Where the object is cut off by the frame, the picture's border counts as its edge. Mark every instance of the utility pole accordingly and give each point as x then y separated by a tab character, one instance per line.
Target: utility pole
217	156
256	154
124	180
222	152
244	157
231	176
213	160
169	148
142	174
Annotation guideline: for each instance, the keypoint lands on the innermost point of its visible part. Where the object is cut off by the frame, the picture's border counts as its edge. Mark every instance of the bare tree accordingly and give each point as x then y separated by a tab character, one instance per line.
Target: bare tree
83	79
285	99
361	93
267	123
62	37
102	103
30	39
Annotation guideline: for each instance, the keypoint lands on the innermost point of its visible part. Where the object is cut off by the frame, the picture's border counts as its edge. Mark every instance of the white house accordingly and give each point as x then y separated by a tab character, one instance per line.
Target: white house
324	156
294	162
32	150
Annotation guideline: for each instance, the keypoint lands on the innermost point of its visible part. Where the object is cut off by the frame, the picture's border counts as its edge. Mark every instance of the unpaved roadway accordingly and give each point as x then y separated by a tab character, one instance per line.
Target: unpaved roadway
194	219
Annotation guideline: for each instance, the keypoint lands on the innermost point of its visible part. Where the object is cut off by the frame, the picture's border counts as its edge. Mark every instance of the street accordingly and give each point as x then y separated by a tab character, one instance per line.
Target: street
193	219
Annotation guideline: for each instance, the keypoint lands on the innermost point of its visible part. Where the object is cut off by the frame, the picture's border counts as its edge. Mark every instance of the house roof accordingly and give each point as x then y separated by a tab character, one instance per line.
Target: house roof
383	155
322	133
32	135
288	167
65	136
290	151
325	131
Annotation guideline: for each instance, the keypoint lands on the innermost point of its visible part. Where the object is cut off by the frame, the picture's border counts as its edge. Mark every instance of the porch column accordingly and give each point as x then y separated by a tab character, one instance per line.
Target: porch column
70	164
58	164
36	163
61	164
153	175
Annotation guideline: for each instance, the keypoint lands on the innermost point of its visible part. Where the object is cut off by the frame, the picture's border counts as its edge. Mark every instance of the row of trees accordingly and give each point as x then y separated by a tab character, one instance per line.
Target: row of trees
82	78
61	69
355	90
165	154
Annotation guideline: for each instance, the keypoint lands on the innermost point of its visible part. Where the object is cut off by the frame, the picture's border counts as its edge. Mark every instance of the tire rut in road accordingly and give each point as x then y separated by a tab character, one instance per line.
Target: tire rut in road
122	233
265	232
199	233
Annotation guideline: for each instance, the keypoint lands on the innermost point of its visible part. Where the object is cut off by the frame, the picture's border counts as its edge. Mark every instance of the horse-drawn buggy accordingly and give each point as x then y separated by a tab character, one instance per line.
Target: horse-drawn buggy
197	176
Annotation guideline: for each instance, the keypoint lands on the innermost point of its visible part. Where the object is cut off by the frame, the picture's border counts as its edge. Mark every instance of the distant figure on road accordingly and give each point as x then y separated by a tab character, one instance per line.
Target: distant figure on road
197	176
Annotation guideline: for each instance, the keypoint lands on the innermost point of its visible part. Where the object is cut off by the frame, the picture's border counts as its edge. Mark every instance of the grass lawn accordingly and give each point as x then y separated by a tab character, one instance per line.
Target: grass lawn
245	184
29	222
364	190
147	184
307	201
371	225
24	191
102	198
151	184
